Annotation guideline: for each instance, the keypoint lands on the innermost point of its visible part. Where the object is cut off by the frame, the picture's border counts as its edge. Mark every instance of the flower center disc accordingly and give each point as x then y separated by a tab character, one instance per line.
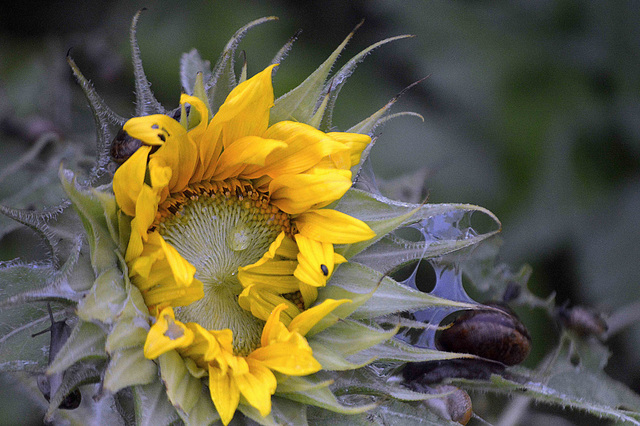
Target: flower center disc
217	233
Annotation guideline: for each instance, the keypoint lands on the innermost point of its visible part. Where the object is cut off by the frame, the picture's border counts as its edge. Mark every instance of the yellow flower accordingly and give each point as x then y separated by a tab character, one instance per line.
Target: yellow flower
231	238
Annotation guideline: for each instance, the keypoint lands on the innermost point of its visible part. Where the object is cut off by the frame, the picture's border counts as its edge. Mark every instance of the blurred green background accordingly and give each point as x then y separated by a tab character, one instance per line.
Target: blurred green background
532	110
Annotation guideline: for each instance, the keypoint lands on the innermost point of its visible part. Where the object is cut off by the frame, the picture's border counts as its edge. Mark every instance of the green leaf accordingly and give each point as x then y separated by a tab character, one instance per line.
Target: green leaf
290	384
85	342
54	285
396	350
255	415
127	333
90	209
287	412
183	389
16	278
324	398
129	367
387	295
365	382
203	413
152	406
348	337
105	299
299	104
384	215
581	391
76	376
18	350
388	412
333	361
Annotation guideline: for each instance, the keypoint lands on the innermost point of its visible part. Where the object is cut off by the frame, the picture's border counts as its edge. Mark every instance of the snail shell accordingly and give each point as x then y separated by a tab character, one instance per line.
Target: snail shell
455	406
490	334
582	321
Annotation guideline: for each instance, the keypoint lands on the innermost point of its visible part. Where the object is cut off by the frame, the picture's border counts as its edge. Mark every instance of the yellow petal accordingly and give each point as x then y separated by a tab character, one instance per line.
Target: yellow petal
160	176
129	178
296	194
242	152
293	356
307	319
315	261
146	208
261	303
166	334
273	327
204	345
287	249
183	271
257	386
245	112
199	110
154	129
306	146
355	141
309	293
181	156
224	393
275	283
170	293
332	226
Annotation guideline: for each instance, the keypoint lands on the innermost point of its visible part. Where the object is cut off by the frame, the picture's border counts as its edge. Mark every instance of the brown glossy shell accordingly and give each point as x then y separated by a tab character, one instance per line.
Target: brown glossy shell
495	335
456	405
583	321
123	146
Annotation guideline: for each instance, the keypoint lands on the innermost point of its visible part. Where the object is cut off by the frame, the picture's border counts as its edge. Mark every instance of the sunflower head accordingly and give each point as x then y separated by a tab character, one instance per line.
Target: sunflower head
232	266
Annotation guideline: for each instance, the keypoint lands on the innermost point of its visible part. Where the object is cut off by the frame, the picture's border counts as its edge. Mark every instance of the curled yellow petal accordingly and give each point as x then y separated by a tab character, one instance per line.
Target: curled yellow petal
183	271
262	301
154	129
315	261
169	293
166	334
129	179
199	109
328	225
181	156
273	328
292	356
310	317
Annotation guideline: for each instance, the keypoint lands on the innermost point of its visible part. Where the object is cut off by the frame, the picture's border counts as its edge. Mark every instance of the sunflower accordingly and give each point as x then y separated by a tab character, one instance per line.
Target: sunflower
208	279
231	237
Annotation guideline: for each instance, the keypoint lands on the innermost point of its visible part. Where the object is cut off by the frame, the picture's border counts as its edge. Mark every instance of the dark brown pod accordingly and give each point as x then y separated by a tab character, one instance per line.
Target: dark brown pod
582	321
123	146
490	334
